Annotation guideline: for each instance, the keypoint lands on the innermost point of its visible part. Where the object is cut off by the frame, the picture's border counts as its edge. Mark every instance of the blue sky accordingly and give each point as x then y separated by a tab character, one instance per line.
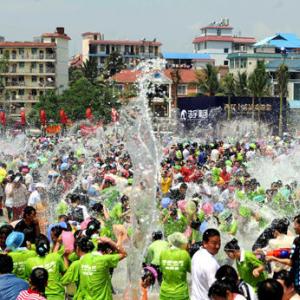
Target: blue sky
173	22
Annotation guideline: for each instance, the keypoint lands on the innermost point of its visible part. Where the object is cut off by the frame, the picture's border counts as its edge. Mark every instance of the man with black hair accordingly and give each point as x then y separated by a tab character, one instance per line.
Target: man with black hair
10	285
29	225
270	289
77	212
178	193
204	265
284	278
154	250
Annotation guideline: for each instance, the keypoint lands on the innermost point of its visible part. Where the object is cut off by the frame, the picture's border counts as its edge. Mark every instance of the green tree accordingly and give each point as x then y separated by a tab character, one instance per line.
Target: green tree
241	85
228	87
4	62
282	77
75	74
259	85
113	64
90	69
208	80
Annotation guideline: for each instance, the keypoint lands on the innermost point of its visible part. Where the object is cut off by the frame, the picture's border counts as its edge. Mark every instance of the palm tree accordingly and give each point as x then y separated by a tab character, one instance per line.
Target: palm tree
228	87
259	85
208	80
282	77
241	85
90	69
176	79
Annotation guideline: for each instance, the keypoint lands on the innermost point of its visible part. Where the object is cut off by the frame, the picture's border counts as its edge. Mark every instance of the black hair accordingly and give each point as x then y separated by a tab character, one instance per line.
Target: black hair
28	210
92	227
104	247
57	231
285	276
42	245
84	244
74	198
98	207
228	272
157	235
297	219
6	264
232	246
148	274
221	287
183	185
282	226
6	229
208	233
269	289
39	279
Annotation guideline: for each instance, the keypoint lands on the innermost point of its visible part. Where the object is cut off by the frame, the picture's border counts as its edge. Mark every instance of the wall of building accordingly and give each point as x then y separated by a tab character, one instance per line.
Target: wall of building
62	64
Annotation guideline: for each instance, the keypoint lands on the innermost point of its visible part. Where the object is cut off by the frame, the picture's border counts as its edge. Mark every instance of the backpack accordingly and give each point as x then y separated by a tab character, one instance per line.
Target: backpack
244	290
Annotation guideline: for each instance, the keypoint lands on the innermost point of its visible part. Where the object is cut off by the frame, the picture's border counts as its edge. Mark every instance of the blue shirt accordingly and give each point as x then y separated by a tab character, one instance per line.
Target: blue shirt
11	286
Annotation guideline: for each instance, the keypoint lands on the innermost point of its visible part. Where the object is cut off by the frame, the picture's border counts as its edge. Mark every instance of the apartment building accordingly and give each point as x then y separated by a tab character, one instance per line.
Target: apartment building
218	40
94	45
32	68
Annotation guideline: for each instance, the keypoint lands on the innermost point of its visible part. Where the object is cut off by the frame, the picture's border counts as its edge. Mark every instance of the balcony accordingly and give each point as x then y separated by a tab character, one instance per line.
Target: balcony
30	71
25	98
33	57
29	85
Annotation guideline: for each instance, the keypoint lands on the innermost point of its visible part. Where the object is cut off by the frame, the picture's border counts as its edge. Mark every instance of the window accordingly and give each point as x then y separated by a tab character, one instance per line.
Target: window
226	50
232	64
205	45
21	92
41	68
120	88
225	62
102	48
21	65
52	40
33	79
33	65
21	51
297	91
34	51
182	90
118	48
218	31
126	49
142	49
102	60
150	49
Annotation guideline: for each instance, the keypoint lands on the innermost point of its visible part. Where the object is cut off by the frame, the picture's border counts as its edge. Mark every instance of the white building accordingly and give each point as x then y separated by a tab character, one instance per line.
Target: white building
33	68
218	40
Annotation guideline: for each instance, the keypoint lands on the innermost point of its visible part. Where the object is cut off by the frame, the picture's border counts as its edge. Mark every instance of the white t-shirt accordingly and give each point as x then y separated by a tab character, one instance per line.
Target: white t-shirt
185	154
34	198
204	268
214	155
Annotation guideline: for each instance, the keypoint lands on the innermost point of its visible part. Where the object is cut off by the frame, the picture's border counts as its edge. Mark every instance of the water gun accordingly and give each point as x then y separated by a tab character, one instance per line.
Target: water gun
280	253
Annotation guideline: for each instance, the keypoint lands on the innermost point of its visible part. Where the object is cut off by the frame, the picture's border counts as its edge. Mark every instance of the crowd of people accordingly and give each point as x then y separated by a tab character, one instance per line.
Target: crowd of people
67	222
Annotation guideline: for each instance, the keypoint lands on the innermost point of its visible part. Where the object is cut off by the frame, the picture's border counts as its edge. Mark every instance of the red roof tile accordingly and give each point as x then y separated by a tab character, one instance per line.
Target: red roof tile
90	33
27	44
244	40
125	42
76	61
216	38
56	35
129	76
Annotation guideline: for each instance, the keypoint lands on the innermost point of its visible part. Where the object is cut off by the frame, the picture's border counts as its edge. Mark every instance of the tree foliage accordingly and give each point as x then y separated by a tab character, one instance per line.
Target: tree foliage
90	69
241	85
208	80
228	85
113	65
282	76
259	81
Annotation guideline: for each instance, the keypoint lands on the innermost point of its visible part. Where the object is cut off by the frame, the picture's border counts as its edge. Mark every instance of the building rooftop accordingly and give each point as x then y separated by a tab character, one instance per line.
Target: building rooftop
231	39
26	44
191	56
130	76
125	42
90	33
261	55
280	40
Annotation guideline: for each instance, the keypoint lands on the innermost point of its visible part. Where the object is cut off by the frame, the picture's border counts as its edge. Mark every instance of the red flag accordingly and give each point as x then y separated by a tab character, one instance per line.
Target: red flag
2	118
23	118
43	117
63	117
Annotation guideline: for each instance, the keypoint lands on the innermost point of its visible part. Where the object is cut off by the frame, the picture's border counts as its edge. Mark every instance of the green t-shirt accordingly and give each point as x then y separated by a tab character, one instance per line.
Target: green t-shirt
54	264
154	251
174	264
19	258
72	277
94	276
246	267
177	225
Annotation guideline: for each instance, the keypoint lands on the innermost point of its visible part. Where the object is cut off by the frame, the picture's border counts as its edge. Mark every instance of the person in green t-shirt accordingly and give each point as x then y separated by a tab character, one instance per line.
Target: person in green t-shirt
175	262
53	263
249	267
94	272
154	250
83	245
